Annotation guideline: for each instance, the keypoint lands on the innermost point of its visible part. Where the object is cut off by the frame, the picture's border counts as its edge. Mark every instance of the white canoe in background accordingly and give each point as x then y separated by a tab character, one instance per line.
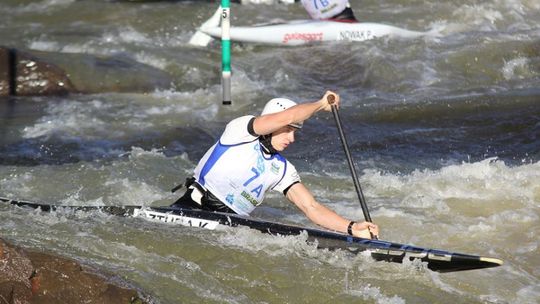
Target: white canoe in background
312	31
300	32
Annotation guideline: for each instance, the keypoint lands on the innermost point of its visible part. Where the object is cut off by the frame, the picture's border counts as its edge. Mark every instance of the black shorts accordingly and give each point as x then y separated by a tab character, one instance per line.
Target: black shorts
208	202
347	14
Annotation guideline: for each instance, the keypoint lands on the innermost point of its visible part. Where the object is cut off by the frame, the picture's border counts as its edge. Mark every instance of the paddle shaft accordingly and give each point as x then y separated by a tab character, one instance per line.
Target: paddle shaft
359	192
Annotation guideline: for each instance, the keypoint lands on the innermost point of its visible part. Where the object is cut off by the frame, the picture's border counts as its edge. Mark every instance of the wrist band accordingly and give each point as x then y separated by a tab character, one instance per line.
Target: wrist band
349	228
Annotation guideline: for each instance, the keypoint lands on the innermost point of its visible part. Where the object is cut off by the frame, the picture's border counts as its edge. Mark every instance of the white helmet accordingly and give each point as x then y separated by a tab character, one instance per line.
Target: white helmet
280	104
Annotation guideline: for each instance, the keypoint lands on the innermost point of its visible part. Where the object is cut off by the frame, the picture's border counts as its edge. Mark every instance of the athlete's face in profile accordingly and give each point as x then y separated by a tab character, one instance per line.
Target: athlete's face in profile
283	137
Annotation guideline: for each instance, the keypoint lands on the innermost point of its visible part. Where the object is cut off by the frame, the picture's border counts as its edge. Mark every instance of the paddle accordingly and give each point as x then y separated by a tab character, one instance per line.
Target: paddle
331	99
202	39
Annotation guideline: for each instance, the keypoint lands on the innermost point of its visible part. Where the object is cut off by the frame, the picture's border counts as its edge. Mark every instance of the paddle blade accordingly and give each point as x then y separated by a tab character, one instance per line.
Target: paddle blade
202	39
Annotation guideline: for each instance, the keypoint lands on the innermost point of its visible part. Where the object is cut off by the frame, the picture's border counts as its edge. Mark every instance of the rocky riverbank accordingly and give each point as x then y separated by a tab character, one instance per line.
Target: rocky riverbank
29	276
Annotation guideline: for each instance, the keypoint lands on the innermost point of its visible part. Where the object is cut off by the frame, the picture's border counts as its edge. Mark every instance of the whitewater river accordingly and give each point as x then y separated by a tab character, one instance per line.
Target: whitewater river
445	132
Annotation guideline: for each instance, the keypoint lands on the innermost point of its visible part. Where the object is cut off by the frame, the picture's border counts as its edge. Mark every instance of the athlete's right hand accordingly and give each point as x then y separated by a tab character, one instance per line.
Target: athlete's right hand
365	230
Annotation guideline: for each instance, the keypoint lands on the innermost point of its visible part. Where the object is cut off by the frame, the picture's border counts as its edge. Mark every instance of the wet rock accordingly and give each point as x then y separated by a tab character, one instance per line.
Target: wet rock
25	73
15	269
6	79
14	293
28	276
15	266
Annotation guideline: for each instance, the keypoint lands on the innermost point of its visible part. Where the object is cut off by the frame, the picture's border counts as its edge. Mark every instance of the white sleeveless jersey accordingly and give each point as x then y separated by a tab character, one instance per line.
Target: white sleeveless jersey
324	9
238	173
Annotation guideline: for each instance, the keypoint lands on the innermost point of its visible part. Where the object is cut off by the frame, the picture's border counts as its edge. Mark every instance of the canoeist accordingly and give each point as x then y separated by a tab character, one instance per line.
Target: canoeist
235	173
338	10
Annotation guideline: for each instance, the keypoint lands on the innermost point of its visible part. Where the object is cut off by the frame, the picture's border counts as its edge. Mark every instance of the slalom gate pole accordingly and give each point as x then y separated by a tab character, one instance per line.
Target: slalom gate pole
226	51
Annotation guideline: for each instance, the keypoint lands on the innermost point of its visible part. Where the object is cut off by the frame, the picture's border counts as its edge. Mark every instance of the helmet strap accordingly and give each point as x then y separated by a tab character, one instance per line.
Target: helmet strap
266	144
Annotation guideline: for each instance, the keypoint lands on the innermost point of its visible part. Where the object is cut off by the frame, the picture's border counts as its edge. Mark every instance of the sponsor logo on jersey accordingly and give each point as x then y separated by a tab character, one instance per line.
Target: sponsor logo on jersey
327	9
250	198
260	165
275	168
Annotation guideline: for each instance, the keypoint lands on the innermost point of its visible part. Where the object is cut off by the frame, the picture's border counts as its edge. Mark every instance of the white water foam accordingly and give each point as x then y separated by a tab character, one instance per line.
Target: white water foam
374	293
44	45
499	15
255	241
142	178
125	34
110	117
151	60
517	68
46	5
70	117
489	179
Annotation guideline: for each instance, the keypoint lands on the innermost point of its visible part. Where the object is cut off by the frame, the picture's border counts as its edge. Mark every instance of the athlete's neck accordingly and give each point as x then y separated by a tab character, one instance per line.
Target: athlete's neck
266	144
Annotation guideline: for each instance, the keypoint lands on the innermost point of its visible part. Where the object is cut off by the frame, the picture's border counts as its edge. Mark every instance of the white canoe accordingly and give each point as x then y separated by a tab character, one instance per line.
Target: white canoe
311	31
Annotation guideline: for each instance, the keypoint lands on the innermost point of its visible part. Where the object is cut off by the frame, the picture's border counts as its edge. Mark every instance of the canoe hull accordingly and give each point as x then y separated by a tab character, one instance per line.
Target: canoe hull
311	31
436	260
